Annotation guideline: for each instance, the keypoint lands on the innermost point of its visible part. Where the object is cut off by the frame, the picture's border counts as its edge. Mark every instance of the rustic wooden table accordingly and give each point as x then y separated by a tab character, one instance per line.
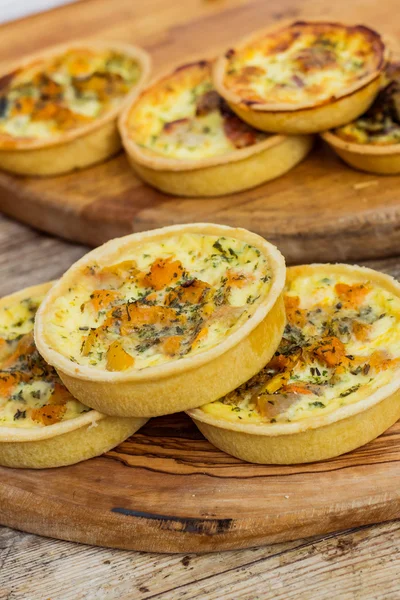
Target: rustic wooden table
358	564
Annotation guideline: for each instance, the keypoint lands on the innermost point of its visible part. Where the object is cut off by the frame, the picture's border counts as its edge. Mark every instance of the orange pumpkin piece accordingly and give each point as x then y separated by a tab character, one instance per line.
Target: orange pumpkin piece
7	382
283	362
351	295
118	359
237	280
200	336
192	292
102	299
60	395
296	388
380	361
361	331
127	269
163	272
171	345
23	106
330	351
135	315
45	111
48	414
89	341
295	315
26	346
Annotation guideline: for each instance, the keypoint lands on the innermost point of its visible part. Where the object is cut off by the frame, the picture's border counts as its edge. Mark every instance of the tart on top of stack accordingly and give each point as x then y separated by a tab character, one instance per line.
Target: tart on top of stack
183	138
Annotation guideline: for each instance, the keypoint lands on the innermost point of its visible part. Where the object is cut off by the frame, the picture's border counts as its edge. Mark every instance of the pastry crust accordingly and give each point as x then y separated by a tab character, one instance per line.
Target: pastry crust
176	384
224	172
64	443
308	114
372	142
313	438
383	160
77	148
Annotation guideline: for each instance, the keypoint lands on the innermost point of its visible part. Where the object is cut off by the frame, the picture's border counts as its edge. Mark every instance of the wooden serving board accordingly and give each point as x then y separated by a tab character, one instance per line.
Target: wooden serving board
167	489
322	210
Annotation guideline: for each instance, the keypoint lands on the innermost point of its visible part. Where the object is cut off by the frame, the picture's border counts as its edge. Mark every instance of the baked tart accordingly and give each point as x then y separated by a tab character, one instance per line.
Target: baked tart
166	320
59	108
182	138
332	385
41	423
302	77
372	142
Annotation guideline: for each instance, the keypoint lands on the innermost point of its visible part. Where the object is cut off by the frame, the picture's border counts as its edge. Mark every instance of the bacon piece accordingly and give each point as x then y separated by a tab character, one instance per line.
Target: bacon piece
176	125
315	58
272	405
163	272
238	132
207	102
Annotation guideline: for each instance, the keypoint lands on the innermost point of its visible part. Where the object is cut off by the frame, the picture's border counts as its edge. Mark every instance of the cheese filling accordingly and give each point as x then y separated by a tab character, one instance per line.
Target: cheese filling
160	302
183	117
306	63
380	125
31	393
64	93
341	343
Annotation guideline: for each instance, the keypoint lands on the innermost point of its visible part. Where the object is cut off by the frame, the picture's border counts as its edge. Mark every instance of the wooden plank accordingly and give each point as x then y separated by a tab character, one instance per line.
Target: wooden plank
321	210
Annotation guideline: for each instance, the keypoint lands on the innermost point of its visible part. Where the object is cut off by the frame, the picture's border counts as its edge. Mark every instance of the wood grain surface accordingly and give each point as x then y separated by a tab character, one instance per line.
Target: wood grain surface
321	210
358	564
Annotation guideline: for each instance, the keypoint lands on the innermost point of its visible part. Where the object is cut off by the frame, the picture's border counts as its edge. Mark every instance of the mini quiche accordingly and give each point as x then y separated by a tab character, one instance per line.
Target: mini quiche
41	423
303	77
161	321
372	142
59	108
183	138
333	384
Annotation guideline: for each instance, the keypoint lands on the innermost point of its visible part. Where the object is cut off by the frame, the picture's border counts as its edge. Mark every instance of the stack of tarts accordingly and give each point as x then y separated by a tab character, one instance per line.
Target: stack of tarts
272	366
222	126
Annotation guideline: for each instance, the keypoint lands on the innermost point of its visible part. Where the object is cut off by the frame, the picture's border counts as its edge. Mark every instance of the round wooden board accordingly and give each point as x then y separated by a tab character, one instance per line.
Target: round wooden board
167	489
320	211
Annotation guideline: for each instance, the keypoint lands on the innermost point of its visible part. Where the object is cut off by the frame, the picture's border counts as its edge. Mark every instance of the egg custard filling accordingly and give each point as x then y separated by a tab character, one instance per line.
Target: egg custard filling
65	92
341	343
160	302
302	64
183	117
380	125
31	393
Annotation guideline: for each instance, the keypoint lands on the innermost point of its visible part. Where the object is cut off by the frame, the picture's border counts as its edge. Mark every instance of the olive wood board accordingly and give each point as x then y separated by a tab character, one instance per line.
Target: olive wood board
321	210
166	489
